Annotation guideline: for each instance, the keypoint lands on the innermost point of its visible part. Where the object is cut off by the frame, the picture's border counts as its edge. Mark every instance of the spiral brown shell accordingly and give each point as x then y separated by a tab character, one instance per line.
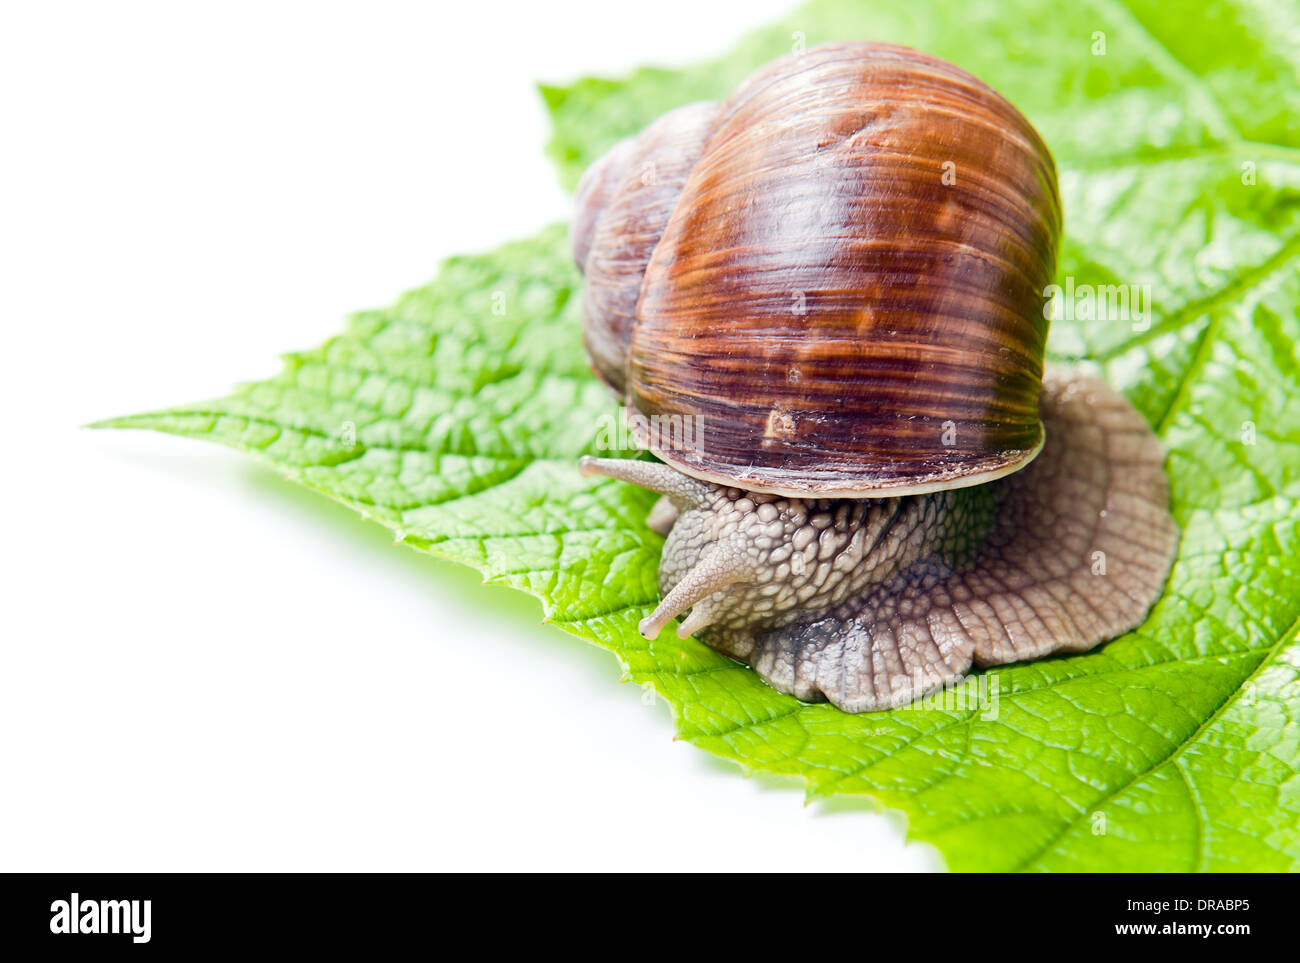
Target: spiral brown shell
835	278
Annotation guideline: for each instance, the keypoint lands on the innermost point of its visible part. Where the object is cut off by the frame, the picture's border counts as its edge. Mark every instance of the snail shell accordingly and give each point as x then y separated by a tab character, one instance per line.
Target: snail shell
845	288
836	278
626	199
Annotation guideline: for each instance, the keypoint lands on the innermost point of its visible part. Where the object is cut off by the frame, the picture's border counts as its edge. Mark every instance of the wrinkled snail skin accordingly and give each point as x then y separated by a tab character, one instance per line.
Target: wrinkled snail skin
872	603
886	488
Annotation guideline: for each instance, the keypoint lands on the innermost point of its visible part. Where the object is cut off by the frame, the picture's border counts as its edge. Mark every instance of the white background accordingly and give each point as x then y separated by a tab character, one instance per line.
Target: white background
204	667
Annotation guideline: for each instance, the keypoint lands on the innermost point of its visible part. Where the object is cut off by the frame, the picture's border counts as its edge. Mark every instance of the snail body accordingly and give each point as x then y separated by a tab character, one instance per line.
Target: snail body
836	278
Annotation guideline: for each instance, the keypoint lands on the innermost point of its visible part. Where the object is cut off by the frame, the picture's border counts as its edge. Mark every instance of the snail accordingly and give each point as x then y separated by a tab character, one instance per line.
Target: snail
835	279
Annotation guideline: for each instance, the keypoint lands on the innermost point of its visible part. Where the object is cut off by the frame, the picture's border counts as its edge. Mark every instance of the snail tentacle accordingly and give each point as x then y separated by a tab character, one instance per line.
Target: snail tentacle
663	516
721	566
680	489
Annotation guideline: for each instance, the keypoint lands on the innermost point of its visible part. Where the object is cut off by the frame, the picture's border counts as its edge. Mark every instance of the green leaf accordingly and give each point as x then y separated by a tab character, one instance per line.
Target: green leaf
456	416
